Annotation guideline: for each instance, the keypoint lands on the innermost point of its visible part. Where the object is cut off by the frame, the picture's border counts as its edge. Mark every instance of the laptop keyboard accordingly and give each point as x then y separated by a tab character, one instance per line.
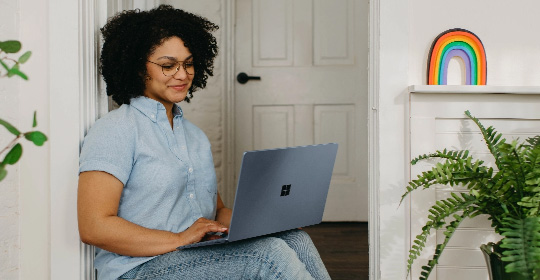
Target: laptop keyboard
204	243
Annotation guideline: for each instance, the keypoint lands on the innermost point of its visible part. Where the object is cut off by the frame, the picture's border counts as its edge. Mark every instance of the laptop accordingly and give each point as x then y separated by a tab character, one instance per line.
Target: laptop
278	190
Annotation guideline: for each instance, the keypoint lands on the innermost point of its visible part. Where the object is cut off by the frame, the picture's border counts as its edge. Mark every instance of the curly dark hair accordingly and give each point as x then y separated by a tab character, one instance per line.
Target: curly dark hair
131	36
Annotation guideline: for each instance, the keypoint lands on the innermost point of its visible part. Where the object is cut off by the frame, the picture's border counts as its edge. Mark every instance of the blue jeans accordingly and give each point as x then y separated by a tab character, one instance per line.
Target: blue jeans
285	255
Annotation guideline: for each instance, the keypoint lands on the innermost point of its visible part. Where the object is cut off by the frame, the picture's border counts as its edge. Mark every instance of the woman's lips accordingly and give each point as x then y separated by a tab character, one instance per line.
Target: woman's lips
178	87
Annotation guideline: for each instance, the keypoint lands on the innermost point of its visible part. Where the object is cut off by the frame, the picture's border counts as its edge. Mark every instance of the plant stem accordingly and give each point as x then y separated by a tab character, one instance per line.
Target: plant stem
11	144
522	175
9	58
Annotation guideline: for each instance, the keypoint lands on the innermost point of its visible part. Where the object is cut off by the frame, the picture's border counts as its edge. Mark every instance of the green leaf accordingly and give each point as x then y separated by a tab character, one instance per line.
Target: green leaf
521	241
13	155
24	58
36	136
11	72
3	172
11	46
15	71
34	123
4	65
10	128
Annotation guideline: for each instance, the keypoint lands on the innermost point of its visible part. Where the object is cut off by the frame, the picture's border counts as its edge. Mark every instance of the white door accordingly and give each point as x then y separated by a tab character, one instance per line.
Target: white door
311	56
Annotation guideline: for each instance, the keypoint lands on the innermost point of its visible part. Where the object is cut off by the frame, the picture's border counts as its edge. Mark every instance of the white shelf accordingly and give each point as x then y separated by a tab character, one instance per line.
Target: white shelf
474	89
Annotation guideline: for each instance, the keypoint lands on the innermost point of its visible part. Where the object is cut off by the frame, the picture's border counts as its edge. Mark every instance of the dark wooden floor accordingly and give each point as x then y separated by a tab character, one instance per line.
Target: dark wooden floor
343	248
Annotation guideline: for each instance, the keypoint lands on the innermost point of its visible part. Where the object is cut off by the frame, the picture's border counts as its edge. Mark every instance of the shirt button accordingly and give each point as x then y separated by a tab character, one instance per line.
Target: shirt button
153	116
191	195
190	170
183	148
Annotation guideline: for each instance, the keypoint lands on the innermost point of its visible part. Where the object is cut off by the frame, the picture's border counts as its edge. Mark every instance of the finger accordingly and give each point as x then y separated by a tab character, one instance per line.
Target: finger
216	228
213	237
203	226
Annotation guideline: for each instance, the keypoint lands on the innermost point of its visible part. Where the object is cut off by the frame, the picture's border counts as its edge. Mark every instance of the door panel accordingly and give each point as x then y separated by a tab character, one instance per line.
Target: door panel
333	26
272	17
273	126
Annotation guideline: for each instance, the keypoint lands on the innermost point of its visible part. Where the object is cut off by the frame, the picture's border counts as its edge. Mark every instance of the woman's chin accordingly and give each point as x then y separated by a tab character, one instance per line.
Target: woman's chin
178	98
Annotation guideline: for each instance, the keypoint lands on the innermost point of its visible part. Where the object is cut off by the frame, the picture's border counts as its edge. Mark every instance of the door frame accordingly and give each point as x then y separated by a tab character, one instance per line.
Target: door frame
229	112
373	139
64	174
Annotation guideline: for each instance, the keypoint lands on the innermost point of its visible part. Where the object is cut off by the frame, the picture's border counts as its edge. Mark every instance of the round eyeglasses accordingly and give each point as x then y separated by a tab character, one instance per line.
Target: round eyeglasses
170	68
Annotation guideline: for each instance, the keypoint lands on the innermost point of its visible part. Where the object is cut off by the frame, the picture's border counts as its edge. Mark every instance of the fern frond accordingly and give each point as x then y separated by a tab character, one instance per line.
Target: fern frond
438	213
446	154
532	202
493	139
459	168
448	233
521	241
534	141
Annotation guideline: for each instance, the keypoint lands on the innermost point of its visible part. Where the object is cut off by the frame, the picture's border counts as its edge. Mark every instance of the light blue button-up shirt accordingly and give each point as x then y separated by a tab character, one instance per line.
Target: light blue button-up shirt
168	173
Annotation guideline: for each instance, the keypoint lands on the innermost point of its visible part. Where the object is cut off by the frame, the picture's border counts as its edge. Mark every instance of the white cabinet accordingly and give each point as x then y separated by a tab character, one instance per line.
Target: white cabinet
437	121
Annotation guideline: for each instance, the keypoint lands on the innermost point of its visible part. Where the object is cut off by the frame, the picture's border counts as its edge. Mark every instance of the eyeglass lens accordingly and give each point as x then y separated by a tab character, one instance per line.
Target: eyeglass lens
172	69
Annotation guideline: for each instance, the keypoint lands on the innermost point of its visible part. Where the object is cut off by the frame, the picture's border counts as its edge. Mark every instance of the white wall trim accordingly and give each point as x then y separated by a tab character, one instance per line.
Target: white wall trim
228	111
373	140
93	101
392	139
64	88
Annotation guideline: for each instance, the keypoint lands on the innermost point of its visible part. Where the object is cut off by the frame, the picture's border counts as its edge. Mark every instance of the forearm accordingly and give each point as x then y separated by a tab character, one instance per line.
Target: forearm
120	236
223	216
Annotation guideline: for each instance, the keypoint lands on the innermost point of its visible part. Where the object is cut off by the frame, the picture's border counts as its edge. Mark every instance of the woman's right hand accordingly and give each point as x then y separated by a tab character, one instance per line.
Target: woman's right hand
200	229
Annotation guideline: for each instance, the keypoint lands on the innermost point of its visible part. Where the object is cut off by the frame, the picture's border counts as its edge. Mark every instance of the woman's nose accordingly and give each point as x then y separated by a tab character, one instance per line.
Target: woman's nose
181	74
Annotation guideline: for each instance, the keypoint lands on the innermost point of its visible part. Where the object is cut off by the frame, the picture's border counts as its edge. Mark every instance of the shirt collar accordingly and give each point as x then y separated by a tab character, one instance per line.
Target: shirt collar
150	107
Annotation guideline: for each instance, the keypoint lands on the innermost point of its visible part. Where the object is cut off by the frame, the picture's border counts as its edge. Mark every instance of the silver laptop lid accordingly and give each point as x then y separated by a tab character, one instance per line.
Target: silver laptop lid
281	189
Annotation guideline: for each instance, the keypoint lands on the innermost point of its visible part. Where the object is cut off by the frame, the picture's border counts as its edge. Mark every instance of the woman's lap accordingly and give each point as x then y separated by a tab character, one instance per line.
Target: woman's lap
286	255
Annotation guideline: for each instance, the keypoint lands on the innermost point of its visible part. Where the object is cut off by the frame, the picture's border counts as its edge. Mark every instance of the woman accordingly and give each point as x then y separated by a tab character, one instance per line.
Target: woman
147	182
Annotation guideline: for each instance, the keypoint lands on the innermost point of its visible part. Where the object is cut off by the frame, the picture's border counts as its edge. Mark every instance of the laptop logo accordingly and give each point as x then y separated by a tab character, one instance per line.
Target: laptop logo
285	190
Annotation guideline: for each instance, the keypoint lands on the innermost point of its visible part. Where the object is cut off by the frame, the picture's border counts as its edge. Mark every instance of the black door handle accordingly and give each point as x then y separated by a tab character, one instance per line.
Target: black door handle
244	78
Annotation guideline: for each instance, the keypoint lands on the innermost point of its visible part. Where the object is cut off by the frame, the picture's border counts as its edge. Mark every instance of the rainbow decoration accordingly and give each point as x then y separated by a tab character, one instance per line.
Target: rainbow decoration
461	43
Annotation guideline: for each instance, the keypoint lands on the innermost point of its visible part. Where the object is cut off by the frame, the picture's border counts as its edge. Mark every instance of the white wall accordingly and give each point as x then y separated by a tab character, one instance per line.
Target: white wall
9	191
506	28
407	29
35	164
24	204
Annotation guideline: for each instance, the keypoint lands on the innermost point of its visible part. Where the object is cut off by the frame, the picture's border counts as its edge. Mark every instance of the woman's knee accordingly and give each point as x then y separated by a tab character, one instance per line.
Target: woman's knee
277	243
300	236
283	260
297	239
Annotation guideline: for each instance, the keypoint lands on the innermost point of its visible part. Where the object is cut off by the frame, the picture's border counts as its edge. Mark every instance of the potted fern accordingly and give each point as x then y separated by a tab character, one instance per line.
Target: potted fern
508	194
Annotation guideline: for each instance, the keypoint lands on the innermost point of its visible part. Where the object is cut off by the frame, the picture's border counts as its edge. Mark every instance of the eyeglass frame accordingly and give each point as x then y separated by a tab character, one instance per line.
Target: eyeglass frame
177	63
